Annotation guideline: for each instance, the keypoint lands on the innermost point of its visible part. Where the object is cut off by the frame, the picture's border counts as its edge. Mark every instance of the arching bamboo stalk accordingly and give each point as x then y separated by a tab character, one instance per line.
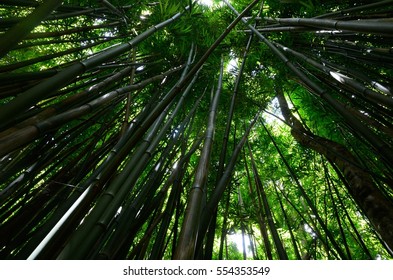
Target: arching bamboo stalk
23	28
380	146
39	92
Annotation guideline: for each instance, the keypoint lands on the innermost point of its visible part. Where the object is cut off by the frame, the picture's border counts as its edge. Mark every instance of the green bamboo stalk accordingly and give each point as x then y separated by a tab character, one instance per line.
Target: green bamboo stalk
251	237
241	213
69	14
9	22
38	196
188	236
36	159
45	88
111	8
358	105
336	212
76	30
124	179
218	191
231	110
77	169
91	187
120	236
128	104
260	213
122	230
359	88
269	215
11	38
98	219
25	63
361	186
283	29
176	174
343	205
363	26
288	223
222	159
64	224
152	199
360	8
365	56
307	198
224	224
381	147
47	41
22	3
353	72
20	137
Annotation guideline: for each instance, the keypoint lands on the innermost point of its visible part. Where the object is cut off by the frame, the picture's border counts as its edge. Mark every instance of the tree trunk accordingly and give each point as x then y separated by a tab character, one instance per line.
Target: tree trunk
377	207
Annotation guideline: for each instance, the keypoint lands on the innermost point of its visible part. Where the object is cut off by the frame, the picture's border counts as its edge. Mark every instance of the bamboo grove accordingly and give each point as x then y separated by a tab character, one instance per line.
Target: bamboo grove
175	130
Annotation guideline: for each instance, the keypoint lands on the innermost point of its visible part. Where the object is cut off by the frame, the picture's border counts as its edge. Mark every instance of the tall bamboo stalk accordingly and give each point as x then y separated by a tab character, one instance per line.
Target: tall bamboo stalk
262	197
221	186
188	236
42	90
381	147
23	28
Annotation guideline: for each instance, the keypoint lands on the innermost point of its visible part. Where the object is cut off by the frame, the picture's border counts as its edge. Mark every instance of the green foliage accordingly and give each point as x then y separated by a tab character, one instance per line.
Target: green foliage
53	153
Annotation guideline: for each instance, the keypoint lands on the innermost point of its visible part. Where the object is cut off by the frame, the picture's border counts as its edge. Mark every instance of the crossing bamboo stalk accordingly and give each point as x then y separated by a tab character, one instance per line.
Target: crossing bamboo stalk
23	28
362	189
42	90
381	147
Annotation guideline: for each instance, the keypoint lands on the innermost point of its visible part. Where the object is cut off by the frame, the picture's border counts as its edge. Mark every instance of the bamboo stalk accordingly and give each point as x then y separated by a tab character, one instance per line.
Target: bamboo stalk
336	213
363	26
269	215
188	236
23	28
76	30
124	179
370	95
218	191
26	134
260	213
42	90
25	63
381	147
361	186
137	202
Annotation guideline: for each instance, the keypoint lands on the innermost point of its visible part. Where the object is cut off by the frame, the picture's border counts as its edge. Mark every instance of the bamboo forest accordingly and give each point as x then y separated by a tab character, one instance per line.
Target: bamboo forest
190	129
